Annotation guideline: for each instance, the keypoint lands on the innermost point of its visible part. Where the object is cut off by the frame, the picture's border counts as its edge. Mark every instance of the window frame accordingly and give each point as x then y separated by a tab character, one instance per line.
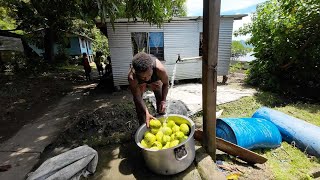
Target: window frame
83	43
147	47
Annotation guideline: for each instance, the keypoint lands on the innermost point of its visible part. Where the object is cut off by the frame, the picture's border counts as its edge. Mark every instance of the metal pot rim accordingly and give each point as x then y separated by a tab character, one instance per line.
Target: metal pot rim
192	129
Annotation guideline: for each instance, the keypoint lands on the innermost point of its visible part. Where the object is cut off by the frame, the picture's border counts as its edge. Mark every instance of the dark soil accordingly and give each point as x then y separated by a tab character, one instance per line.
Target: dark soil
25	98
106	125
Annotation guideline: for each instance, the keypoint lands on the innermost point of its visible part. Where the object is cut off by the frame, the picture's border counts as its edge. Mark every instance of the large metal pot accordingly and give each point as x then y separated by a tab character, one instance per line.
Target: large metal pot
173	160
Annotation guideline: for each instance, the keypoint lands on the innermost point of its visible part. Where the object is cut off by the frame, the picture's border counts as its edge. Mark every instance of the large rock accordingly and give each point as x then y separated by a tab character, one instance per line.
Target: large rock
177	107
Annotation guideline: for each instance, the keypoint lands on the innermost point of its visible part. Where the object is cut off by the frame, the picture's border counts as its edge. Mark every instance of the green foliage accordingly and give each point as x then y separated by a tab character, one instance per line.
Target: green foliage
285	34
83	27
100	42
6	22
62	59
19	63
154	12
238	49
56	16
236	67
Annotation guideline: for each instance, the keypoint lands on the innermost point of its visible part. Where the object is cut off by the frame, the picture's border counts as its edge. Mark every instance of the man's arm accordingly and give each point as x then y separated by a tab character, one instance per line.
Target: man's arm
137	98
141	109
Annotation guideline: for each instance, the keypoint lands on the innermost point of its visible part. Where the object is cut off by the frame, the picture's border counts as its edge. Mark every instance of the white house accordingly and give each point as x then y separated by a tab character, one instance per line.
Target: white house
181	35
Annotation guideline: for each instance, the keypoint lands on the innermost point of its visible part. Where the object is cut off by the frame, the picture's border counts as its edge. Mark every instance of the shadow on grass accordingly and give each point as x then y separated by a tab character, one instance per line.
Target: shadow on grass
270	99
228	158
274	100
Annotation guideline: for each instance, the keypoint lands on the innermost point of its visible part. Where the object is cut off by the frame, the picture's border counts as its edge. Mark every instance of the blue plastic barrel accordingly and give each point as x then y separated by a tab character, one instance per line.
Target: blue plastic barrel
305	135
250	133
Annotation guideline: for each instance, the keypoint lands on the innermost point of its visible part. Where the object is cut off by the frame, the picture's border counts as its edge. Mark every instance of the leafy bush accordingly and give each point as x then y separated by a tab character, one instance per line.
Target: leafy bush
19	63
236	67
62	59
285	34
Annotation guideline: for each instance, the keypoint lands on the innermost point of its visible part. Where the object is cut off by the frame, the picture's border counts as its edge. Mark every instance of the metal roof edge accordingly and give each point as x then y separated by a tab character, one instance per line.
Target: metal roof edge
187	18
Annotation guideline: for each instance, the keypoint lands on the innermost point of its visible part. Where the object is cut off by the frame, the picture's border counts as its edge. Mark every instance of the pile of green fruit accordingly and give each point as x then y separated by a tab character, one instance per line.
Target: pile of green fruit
164	135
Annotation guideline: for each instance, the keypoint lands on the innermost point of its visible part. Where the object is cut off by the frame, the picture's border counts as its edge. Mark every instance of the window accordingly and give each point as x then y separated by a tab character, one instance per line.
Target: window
139	42
83	43
200	44
90	45
151	42
156	45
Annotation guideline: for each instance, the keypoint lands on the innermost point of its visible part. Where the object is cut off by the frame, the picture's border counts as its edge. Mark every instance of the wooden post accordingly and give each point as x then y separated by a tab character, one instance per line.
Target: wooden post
211	23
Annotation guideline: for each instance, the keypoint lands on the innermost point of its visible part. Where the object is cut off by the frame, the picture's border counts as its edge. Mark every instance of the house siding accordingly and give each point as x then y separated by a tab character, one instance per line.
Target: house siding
180	37
74	49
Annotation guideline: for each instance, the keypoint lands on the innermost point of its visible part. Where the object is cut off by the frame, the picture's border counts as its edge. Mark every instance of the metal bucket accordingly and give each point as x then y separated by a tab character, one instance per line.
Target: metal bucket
172	160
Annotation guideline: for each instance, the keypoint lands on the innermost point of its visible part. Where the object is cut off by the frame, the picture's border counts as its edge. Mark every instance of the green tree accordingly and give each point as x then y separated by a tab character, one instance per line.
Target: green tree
6	22
42	16
100	42
285	34
55	16
238	49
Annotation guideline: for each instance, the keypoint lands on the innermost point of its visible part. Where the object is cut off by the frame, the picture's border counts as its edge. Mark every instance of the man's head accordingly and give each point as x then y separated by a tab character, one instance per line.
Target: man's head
84	54
142	64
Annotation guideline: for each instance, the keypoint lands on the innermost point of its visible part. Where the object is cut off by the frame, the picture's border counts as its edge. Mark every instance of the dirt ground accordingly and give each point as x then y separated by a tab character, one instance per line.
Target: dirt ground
107	119
24	98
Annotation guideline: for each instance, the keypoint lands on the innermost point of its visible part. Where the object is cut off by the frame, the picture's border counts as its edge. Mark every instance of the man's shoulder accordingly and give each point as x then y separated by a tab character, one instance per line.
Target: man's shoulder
160	67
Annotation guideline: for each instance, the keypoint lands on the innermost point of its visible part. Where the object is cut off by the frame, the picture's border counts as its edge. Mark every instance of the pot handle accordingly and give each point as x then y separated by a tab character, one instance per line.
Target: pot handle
180	153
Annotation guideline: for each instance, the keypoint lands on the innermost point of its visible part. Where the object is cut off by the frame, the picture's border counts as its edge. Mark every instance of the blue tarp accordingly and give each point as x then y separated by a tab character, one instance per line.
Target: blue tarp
250	133
305	135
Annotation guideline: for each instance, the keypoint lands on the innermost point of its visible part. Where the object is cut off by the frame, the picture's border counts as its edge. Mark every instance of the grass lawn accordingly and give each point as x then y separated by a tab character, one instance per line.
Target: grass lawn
70	68
286	162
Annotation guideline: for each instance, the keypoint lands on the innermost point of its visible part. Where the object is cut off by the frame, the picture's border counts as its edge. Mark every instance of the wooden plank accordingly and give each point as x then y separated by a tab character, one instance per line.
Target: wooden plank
211	22
234	150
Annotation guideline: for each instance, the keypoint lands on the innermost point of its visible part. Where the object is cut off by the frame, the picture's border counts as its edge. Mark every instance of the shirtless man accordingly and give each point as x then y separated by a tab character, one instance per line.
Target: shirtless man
148	71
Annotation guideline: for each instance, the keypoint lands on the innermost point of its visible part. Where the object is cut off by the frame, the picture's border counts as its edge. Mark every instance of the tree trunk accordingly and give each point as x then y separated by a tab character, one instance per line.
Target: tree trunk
49	45
103	28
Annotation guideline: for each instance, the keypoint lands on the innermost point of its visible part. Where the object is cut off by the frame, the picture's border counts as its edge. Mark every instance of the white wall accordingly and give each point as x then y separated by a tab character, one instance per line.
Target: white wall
180	37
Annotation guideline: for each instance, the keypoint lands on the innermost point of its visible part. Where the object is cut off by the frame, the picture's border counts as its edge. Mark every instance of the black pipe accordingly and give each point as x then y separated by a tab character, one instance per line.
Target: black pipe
179	59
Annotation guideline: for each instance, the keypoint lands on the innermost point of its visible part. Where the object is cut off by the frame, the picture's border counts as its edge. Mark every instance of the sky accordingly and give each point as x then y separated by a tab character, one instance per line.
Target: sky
228	7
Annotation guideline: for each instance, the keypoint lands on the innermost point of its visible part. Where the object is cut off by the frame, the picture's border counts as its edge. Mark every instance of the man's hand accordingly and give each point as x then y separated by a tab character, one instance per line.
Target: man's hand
148	118
162	108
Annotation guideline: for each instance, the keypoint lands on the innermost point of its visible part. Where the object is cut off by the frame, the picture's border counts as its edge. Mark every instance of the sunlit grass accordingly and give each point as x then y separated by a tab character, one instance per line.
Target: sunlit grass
286	162
70	67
